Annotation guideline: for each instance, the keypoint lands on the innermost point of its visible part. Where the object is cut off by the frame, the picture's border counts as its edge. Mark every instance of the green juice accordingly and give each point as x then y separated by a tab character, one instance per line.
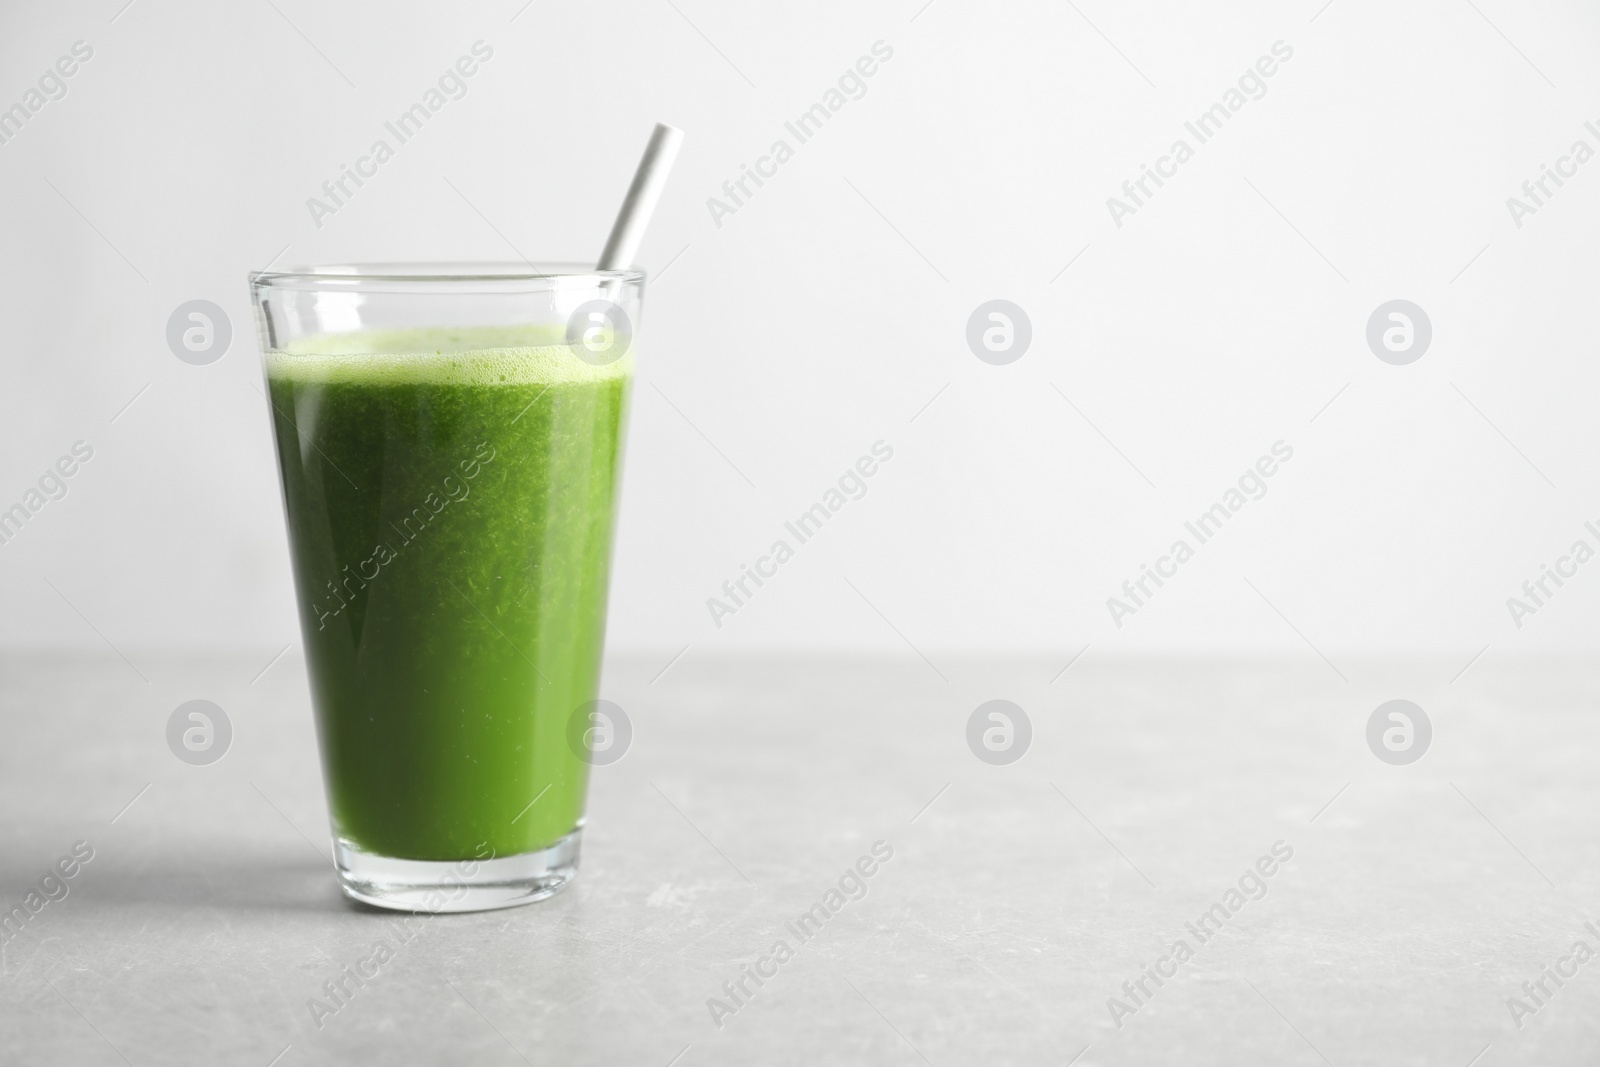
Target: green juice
450	497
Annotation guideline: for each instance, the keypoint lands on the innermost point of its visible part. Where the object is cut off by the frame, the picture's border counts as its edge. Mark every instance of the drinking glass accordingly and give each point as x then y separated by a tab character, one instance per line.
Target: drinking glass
449	443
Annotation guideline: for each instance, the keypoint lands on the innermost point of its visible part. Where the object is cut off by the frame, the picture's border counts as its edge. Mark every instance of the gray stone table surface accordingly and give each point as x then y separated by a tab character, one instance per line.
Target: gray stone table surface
1018	900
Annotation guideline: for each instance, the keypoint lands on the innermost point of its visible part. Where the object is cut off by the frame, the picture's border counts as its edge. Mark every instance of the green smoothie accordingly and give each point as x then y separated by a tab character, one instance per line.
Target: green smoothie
450	495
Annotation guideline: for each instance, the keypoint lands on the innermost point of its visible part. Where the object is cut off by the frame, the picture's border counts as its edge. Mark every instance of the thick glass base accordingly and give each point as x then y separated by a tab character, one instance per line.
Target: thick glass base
456	885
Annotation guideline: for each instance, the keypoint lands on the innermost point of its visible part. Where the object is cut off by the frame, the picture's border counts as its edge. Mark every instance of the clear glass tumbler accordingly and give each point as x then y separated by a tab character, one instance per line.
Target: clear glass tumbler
449	441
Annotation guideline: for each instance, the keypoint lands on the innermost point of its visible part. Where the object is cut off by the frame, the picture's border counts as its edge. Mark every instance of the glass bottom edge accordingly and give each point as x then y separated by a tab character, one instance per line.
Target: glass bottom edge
451	886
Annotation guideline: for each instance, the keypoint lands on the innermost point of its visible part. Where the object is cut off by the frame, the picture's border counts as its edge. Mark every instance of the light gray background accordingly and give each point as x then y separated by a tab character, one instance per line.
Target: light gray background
829	313
1213	323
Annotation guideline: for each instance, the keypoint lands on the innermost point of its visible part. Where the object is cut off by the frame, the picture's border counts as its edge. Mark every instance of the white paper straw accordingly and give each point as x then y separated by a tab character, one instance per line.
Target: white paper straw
640	203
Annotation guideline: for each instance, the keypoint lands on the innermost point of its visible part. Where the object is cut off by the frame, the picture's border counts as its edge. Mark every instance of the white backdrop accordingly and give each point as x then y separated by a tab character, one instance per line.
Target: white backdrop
830	311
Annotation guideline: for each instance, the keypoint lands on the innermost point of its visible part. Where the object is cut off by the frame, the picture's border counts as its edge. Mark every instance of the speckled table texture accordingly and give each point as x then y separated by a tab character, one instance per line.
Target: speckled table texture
1026	915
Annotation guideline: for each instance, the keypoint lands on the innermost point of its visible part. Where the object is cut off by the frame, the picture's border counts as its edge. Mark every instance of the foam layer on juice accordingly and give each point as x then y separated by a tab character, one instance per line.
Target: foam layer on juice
467	355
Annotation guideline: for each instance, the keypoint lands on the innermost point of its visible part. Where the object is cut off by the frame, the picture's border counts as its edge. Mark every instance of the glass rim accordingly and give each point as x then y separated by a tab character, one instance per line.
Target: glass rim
497	274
